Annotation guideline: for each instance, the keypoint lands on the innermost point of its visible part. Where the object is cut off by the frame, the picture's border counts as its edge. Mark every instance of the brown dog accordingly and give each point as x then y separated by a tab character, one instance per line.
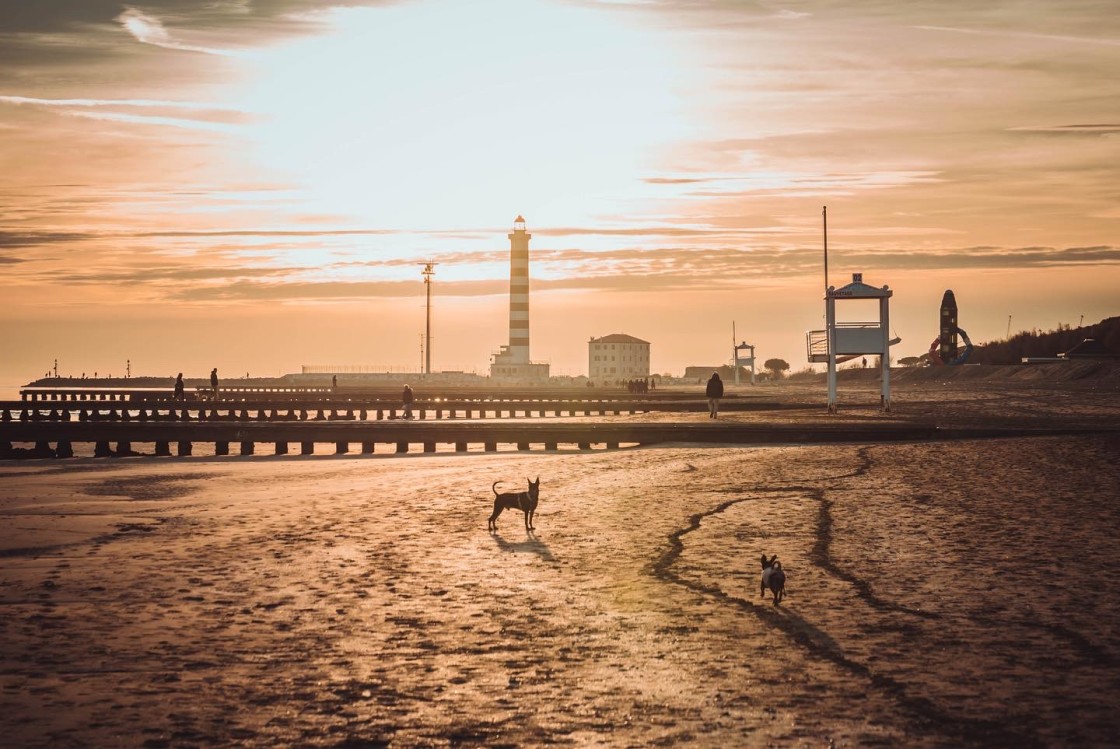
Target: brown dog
525	501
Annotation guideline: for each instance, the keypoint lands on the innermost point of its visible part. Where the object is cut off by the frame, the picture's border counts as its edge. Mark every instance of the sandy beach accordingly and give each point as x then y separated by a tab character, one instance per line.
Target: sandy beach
940	594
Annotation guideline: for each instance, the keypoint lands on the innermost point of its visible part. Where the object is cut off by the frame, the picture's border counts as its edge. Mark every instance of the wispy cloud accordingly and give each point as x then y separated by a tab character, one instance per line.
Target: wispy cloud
1023	35
191	115
1110	128
137	119
146	103
148	29
633	269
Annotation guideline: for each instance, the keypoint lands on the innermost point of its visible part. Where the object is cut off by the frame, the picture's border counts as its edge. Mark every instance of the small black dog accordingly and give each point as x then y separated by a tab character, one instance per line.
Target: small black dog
773	578
525	501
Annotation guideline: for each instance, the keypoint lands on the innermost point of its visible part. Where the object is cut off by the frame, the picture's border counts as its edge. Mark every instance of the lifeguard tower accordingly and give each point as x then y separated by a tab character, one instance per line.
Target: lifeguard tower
741	361
744	361
841	341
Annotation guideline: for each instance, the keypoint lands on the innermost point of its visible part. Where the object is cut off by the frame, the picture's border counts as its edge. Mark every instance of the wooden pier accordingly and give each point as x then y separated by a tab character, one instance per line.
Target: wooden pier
118	437
365	423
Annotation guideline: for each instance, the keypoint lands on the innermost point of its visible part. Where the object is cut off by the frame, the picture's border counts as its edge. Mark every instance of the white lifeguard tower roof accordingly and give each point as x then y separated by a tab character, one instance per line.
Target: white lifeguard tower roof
857	289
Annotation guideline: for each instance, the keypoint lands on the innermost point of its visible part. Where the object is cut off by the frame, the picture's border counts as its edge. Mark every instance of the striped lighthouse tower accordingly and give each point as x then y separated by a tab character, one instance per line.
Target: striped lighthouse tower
512	362
518	350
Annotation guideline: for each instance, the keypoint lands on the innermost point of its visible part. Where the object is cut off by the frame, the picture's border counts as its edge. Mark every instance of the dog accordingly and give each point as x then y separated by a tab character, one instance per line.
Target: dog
773	578
525	501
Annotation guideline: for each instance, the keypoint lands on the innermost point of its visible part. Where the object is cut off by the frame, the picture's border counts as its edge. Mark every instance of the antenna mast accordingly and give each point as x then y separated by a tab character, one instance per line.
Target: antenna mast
734	353
427	273
824	219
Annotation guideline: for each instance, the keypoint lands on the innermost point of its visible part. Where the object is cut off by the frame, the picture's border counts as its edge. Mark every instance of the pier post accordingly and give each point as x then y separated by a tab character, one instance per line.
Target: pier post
64	450
341	448
185	448
221	448
402	447
102	450
550	446
367	448
306	448
429	447
584	445
522	445
247	448
281	448
490	447
460	447
163	449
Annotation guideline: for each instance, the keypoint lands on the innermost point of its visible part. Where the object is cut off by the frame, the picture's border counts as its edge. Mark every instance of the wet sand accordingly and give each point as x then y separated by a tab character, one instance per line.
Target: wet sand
941	594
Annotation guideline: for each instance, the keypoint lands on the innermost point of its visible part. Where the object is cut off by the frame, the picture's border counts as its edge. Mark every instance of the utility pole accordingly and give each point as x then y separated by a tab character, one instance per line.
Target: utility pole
824	220
427	273
1008	336
734	353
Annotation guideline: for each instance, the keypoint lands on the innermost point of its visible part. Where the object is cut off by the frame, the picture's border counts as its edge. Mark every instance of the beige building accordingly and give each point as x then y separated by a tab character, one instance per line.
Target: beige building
617	357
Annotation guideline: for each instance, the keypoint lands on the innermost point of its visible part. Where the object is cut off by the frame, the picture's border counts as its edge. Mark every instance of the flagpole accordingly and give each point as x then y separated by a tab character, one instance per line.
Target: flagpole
824	218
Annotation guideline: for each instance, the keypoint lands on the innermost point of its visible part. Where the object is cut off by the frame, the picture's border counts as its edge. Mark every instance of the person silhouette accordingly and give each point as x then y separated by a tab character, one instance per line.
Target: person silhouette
407	398
214	382
714	391
179	387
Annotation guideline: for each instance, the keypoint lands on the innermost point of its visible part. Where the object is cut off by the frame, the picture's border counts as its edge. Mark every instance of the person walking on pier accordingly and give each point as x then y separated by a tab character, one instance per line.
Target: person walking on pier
407	398
179	387
214	383
714	392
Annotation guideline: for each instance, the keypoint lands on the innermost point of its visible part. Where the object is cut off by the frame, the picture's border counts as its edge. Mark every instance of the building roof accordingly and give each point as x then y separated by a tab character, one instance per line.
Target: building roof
857	289
618	338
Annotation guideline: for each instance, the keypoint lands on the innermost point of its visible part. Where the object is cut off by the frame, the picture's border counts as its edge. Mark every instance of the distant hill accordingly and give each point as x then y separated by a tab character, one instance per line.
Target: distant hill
1049	343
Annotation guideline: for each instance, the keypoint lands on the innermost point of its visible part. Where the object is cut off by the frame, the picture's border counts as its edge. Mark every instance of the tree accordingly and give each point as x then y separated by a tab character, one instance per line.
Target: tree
776	367
910	361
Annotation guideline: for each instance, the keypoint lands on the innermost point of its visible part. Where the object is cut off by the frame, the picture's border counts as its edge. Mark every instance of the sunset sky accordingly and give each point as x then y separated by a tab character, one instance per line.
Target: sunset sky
253	185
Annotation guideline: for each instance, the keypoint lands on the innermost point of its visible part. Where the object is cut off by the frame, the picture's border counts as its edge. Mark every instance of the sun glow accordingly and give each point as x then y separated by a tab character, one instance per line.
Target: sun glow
409	116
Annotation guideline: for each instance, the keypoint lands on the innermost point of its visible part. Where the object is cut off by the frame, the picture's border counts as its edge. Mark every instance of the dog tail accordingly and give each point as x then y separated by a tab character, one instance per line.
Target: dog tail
494	487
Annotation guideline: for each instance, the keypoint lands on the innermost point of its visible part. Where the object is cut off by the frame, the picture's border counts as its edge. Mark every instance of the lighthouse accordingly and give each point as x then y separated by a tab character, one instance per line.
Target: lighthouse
518	348
512	362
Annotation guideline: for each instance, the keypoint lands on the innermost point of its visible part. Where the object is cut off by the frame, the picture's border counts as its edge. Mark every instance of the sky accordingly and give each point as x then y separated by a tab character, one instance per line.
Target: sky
255	186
